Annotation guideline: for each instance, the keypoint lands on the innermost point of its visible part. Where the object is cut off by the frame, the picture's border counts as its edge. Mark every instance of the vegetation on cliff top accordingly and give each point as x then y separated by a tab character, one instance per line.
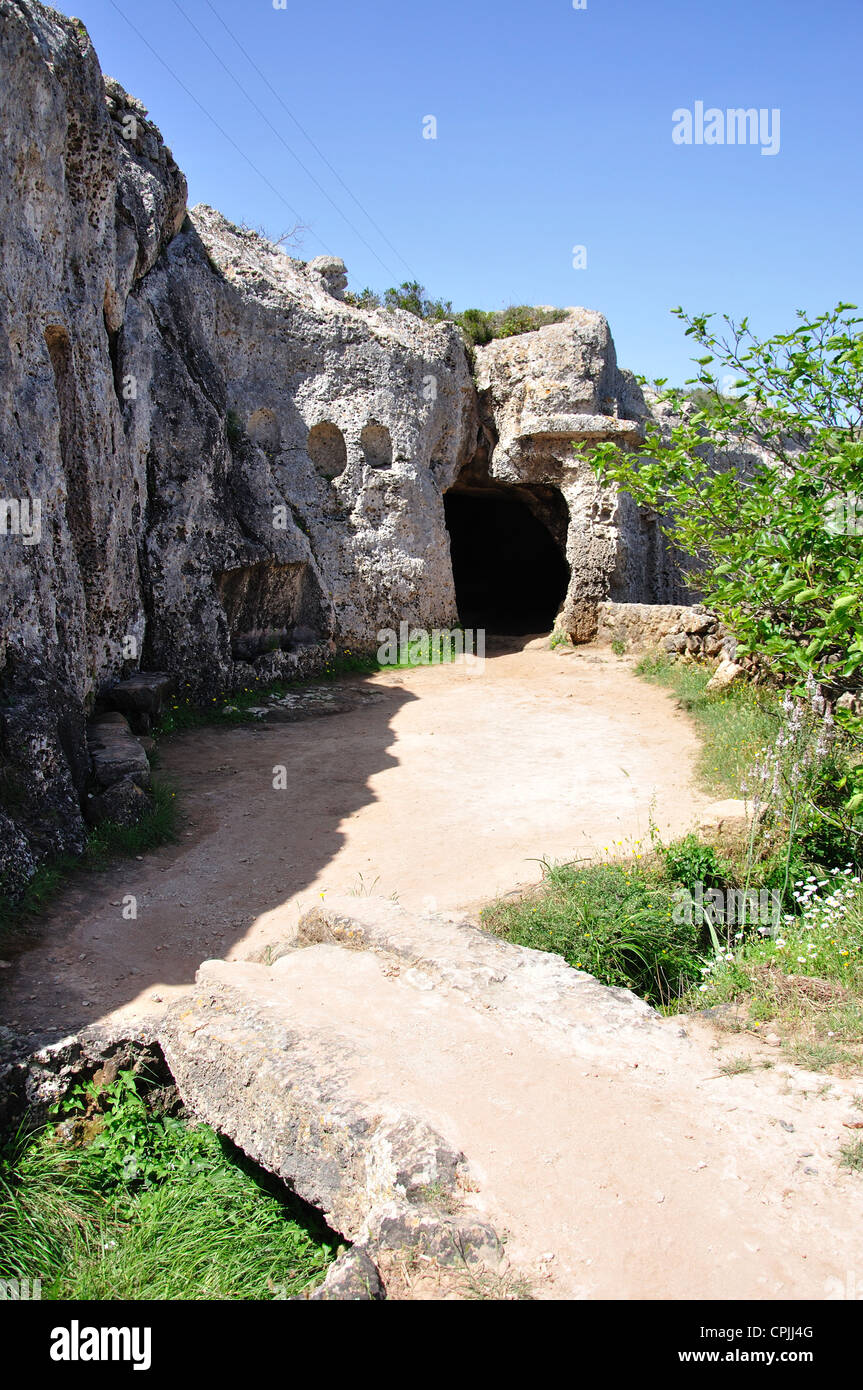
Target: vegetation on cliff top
478	325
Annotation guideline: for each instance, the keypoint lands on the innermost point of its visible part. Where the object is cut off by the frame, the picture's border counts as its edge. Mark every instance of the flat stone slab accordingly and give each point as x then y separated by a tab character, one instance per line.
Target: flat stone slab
437	1091
116	753
143	693
314	702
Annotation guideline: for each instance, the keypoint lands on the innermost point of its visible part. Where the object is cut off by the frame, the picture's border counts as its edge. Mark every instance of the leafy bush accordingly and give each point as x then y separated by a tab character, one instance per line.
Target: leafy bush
778	539
689	862
481	325
366	299
478	325
411	296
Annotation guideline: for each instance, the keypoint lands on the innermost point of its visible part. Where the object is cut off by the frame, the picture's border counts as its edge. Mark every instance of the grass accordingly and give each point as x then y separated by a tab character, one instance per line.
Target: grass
805	981
736	1066
733	725
446	646
851	1155
614	921
140	1206
617	922
802	978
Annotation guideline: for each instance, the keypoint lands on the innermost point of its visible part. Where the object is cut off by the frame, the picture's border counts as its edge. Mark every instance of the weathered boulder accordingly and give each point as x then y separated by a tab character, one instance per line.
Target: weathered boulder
123	803
144	693
672	627
115	753
353	1278
726	674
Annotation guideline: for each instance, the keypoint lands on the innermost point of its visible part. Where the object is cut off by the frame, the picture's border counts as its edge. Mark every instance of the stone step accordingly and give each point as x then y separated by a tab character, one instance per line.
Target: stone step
460	1105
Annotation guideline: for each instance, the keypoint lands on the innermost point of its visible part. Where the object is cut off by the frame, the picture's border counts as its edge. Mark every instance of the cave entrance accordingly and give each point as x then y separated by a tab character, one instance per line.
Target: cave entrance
507	547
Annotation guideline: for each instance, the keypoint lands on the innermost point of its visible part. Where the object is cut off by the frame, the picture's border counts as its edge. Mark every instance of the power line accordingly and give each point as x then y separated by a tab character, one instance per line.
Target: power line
319	152
279	135
212	118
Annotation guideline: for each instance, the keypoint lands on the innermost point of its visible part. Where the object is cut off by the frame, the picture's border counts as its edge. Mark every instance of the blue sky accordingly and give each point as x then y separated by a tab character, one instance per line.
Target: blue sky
553	130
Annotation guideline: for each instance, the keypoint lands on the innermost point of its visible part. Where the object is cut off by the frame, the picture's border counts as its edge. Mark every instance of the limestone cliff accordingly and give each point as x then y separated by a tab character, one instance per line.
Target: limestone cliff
210	464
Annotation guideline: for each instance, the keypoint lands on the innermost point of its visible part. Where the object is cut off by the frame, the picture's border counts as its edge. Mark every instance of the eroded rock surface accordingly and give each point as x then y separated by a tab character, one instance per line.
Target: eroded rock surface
438	1091
217	469
541	394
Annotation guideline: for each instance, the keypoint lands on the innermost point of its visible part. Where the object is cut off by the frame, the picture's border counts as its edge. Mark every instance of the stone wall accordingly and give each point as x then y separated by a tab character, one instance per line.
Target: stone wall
676	629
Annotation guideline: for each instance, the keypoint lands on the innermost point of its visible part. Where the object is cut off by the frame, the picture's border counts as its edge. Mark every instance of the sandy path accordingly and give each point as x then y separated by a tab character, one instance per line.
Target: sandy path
445	793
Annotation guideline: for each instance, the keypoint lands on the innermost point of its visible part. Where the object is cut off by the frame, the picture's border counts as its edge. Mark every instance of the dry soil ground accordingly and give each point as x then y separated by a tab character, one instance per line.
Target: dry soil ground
615	1174
445	793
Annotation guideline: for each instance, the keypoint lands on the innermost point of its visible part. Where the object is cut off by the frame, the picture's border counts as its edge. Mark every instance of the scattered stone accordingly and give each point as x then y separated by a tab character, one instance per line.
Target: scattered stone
124	804
353	1277
116	753
726	674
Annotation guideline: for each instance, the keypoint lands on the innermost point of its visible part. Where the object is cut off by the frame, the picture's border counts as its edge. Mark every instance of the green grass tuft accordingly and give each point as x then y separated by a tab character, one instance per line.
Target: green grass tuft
734	725
147	1207
612	920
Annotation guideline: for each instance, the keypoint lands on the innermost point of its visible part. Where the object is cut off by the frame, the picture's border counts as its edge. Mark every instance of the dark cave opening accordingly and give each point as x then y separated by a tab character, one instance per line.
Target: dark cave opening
509	571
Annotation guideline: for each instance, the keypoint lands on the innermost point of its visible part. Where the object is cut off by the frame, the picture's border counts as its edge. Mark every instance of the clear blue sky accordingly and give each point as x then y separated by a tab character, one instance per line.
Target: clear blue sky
553	129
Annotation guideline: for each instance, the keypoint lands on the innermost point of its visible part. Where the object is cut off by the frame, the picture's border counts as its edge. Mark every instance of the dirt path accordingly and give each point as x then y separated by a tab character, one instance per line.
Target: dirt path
444	793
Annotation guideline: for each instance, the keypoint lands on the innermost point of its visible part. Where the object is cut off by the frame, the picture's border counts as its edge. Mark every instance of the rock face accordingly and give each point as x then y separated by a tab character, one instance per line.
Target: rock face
540	394
212	466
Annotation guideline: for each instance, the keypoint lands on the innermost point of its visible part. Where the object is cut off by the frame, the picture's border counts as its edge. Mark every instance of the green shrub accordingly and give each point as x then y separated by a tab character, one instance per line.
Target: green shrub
612	920
411	296
689	862
477	325
147	1207
778	541
365	299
